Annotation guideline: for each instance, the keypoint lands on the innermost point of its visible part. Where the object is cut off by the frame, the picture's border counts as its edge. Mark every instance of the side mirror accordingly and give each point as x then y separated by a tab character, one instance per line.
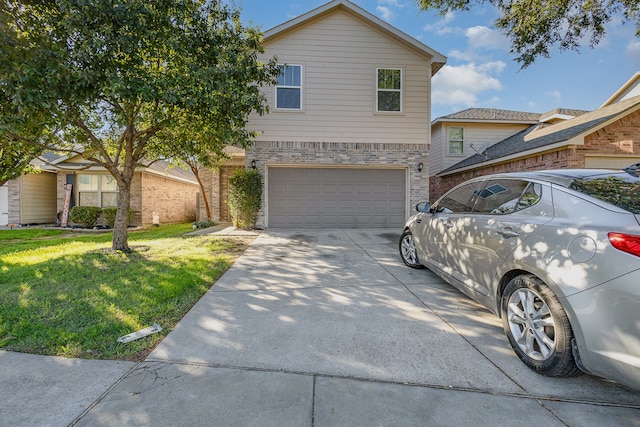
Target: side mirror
423	207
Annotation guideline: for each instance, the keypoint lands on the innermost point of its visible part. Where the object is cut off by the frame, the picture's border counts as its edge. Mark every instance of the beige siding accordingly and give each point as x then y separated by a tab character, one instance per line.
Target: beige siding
38	198
339	55
4	204
436	150
476	134
610	162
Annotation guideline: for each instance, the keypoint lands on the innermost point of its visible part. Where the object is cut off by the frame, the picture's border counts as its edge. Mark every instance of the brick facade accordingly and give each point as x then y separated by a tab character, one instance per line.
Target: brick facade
620	138
346	154
174	201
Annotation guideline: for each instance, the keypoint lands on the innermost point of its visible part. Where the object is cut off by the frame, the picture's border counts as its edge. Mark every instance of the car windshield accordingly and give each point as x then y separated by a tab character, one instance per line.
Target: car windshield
621	190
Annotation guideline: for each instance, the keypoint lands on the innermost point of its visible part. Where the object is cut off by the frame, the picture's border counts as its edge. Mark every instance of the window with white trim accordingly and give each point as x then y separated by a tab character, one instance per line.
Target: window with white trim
456	140
97	190
389	90
289	87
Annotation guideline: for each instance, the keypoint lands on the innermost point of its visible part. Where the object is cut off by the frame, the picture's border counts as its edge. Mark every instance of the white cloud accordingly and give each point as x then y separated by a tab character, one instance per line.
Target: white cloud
466	56
385	9
385	13
442	27
461	86
481	37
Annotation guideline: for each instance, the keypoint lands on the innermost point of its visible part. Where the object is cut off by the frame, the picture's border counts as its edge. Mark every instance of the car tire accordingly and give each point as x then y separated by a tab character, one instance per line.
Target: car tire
408	253
541	335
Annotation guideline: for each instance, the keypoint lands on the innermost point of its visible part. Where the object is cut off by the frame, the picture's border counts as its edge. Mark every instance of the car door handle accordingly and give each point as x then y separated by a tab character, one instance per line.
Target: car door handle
507	232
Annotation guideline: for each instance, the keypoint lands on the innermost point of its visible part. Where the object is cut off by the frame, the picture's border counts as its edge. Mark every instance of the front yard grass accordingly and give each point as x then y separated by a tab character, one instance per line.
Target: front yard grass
70	295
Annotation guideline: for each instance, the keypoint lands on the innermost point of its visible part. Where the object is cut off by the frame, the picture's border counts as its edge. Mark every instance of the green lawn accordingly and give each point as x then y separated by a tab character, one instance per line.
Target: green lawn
69	295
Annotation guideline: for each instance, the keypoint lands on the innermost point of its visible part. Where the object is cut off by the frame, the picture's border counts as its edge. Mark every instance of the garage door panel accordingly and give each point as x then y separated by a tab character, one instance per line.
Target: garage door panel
342	197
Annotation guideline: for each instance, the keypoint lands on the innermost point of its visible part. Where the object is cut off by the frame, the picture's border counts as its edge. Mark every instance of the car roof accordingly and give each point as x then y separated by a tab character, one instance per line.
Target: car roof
563	177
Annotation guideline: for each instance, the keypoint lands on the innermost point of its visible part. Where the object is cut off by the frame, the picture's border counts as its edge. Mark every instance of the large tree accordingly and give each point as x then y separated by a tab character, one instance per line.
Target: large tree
15	158
116	77
534	26
187	147
16	151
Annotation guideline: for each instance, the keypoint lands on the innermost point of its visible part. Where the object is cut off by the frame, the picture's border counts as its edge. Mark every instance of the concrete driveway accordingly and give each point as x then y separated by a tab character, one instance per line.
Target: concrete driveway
329	328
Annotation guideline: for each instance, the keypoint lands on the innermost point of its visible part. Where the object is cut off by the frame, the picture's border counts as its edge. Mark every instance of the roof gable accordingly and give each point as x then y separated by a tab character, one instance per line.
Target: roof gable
437	59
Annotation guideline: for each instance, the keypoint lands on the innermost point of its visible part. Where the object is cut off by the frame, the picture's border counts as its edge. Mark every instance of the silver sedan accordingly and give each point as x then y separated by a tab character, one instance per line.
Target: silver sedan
555	254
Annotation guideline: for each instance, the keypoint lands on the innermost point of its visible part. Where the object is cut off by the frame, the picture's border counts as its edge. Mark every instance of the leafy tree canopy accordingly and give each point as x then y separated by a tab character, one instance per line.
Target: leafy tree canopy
534	26
113	80
15	158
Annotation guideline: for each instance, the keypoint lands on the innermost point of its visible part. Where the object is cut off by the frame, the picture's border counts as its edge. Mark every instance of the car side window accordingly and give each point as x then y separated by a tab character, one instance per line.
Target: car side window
458	200
500	196
530	197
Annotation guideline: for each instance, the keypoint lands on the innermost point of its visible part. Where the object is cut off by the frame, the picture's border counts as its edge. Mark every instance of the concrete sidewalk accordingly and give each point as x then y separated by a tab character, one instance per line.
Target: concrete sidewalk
316	328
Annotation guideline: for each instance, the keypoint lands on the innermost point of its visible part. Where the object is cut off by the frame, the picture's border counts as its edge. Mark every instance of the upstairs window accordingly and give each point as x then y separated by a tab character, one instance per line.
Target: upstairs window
456	140
389	90
289	87
97	190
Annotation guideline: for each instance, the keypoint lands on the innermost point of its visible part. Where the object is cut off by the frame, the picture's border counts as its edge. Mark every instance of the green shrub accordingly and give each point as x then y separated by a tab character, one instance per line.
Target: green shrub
86	216
245	194
110	216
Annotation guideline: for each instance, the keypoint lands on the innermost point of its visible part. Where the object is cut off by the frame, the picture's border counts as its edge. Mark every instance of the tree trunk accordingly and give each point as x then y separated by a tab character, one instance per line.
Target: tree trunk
120	240
196	172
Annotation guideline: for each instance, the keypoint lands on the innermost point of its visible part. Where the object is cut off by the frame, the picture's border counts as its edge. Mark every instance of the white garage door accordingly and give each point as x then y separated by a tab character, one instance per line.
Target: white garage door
336	197
4	205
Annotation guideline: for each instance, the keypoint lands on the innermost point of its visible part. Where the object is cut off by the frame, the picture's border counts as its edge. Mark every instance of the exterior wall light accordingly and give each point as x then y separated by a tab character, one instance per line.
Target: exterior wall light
420	166
253	164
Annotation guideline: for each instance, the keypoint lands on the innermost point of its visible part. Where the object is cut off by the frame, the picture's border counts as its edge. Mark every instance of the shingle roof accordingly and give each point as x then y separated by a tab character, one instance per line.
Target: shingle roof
537	136
492	114
165	168
45	158
564	112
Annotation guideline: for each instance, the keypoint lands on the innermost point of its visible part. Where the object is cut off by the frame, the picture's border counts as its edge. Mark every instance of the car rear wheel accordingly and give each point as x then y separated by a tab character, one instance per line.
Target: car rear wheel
408	251
538	327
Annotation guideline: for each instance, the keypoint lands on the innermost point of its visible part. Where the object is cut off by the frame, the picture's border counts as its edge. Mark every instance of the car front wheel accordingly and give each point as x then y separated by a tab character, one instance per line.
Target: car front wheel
538	327
408	251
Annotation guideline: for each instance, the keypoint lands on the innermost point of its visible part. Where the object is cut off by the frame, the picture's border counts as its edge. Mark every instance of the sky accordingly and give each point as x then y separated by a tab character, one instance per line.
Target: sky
480	70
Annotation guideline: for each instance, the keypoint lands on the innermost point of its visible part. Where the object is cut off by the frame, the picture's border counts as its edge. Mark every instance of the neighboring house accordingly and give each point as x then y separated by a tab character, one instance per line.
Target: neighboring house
608	137
461	135
159	194
31	198
346	141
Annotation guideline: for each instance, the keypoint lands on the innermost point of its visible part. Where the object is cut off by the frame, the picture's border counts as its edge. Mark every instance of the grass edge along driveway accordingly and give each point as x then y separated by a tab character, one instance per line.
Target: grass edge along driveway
70	295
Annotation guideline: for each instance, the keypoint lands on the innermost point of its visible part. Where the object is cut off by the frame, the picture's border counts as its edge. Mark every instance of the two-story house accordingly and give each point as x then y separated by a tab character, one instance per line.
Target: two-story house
346	142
